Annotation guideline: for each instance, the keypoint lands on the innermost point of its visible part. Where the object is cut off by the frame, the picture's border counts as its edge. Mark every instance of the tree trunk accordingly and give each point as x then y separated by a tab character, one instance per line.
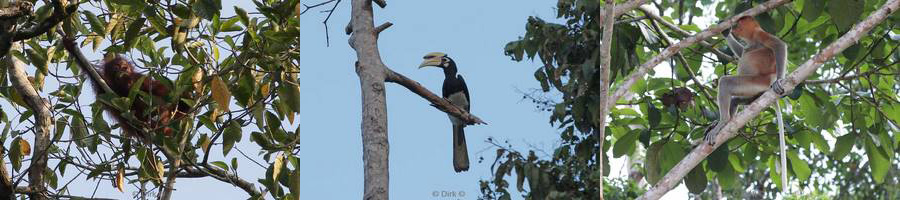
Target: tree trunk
371	72
43	122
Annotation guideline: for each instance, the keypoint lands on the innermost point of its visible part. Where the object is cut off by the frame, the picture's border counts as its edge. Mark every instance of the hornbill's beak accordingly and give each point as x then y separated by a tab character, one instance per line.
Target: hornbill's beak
435	59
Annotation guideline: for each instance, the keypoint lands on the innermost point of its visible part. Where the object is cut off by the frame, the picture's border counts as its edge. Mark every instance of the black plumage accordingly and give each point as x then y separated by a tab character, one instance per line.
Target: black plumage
454	90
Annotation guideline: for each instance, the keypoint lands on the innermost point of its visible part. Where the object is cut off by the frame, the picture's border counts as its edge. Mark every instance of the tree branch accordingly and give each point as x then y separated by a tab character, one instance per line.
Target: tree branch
671	50
605	62
803	71
436	101
648	11
381	3
381	27
43	122
59	13
223	176
622	8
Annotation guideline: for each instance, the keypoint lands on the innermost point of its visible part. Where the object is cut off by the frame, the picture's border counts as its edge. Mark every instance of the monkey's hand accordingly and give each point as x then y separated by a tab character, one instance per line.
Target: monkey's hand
711	132
776	87
727	30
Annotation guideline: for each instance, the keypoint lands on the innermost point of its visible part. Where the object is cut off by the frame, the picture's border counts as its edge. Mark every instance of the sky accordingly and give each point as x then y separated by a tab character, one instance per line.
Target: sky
473	33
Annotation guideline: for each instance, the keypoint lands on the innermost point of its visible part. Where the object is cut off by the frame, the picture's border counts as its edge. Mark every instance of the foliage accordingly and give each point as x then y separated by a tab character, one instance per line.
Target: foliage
249	57
849	120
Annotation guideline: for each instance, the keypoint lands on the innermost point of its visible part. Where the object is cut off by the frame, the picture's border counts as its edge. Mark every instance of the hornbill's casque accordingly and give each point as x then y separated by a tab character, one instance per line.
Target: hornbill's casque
455	91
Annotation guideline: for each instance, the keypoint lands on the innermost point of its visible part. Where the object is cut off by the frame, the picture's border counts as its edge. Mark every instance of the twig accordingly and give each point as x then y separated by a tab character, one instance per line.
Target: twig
673	27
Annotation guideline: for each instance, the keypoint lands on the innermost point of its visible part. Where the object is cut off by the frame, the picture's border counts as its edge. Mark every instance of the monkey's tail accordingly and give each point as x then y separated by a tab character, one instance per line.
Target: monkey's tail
784	183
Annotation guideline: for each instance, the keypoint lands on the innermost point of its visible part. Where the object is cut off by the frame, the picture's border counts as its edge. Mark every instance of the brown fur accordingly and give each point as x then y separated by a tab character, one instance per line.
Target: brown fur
155	113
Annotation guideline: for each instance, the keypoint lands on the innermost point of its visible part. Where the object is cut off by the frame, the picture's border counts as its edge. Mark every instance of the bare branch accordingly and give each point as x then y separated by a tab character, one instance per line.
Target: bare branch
671	50
436	101
381	3
803	71
381	27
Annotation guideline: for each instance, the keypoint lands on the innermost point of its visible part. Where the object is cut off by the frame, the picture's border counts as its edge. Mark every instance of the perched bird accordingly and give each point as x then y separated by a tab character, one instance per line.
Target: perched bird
455	91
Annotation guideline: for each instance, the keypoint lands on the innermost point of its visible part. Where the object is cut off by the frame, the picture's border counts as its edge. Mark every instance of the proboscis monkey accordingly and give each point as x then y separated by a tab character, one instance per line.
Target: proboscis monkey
762	62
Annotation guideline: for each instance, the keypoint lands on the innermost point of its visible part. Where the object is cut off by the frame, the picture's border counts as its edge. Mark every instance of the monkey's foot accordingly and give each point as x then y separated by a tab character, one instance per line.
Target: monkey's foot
711	132
776	87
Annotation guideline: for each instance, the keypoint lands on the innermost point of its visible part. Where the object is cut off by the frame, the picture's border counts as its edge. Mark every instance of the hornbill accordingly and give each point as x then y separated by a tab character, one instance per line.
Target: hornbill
455	91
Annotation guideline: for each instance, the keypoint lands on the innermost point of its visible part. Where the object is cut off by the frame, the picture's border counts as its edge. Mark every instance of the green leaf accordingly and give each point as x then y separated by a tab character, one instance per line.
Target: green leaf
652	163
207	9
242	14
671	154
879	164
232	134
625	144
843	146
295	184
96	25
812	9
15	156
696	180
134	30
220	164
799	166
811	112
727	177
653	115
845	13
893	112
718	160
289	93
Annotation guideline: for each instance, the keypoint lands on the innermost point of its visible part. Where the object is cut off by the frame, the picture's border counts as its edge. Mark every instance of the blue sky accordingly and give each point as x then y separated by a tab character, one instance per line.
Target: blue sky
473	33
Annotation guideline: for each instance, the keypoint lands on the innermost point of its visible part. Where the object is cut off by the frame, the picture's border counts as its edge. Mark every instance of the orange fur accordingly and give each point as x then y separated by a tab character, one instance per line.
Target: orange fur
155	112
761	62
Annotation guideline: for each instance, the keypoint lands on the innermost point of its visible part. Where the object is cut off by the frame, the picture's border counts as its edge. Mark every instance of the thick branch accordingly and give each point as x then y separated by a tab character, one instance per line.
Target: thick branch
43	122
622	8
436	101
58	15
649	11
730	129
18	9
673	49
